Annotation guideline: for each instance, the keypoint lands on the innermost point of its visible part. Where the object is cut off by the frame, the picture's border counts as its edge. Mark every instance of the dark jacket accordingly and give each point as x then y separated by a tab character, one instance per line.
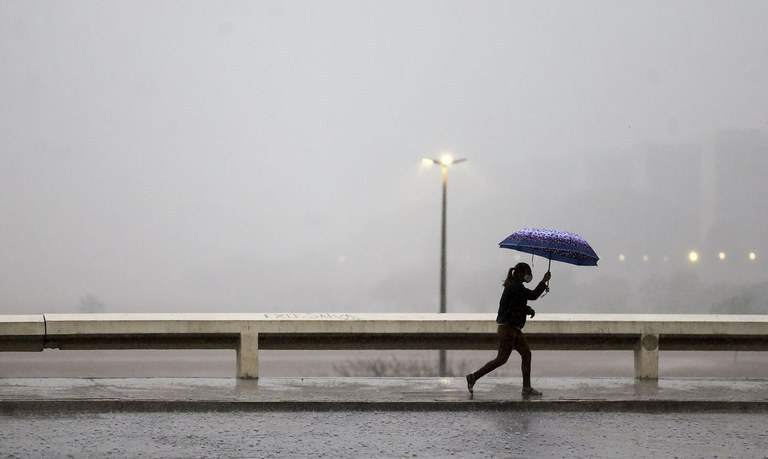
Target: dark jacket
513	306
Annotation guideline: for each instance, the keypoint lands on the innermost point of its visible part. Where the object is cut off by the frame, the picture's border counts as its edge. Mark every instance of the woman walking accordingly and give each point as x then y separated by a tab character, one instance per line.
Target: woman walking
513	309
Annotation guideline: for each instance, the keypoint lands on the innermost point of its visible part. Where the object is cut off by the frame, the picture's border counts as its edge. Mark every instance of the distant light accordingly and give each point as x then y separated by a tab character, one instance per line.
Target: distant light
645	257
752	256
341	259
426	162
446	159
721	255
693	256
622	257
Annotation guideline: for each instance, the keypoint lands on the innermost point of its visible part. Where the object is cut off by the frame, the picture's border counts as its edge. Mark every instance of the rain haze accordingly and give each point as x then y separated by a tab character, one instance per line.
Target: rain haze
238	156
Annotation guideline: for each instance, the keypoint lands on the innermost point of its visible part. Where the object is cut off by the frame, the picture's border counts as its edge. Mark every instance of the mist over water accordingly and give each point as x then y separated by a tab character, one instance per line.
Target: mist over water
265	156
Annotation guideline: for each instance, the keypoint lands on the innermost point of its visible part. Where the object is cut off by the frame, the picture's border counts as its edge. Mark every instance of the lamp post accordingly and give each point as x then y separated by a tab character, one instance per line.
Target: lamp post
445	161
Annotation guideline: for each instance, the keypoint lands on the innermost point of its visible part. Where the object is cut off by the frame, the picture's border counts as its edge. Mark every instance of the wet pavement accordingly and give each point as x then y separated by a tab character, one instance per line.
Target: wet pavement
356	434
20	395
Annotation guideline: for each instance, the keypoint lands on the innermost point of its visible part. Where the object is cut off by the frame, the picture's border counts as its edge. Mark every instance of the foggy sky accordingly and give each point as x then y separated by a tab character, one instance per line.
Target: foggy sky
265	156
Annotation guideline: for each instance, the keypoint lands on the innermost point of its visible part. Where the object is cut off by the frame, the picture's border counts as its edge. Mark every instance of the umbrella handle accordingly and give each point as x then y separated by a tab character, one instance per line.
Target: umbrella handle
548	267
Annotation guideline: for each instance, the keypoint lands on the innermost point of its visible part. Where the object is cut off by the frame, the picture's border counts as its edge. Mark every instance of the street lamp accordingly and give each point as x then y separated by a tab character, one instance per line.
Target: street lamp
445	161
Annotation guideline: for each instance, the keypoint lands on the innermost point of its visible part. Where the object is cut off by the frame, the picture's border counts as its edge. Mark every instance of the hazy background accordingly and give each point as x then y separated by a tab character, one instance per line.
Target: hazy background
265	156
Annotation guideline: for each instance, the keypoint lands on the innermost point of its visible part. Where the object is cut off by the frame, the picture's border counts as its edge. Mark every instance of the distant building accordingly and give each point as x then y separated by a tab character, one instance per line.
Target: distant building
739	221
657	202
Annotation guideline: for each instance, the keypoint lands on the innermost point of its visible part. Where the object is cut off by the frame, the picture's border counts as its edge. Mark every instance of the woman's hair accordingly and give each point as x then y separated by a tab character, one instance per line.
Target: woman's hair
518	271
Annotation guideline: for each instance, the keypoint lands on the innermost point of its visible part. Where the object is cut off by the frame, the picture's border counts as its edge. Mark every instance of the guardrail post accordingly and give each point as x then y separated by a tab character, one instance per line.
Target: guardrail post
647	357
248	356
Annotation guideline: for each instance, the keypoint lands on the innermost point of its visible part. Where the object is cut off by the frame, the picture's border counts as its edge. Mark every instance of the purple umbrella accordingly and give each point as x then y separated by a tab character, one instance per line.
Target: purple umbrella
553	245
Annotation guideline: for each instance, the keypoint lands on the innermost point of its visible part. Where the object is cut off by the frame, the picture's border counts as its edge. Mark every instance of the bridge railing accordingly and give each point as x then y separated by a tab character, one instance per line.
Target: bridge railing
644	334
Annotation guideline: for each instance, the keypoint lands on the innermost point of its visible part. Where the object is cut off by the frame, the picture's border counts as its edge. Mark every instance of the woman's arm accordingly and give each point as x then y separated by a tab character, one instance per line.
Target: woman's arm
535	293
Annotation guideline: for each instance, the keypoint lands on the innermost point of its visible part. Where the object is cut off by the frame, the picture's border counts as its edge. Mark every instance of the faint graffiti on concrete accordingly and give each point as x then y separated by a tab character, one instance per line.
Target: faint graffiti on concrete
310	316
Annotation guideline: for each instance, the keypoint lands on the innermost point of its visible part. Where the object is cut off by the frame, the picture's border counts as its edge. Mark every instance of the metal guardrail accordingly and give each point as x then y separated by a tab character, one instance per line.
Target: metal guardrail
644	334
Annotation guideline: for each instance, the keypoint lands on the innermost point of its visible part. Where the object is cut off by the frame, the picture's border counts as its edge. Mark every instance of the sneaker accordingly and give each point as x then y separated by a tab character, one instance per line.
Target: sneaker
471	380
528	391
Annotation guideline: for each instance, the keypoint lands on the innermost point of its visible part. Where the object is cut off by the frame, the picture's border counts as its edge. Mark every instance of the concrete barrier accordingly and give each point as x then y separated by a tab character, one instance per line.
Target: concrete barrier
643	334
22	333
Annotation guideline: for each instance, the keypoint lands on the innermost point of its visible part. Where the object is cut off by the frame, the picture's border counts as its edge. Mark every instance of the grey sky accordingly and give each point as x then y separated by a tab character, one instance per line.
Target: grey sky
256	156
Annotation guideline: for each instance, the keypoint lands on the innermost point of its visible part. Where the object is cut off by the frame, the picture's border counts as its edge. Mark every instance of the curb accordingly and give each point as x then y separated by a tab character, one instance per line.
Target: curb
14	407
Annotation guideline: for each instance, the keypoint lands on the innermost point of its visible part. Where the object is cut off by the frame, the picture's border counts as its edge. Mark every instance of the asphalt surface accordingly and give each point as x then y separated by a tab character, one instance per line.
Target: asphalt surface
355	434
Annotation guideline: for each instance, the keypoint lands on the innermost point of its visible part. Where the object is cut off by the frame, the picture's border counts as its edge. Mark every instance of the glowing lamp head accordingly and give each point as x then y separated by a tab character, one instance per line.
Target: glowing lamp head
693	256
446	159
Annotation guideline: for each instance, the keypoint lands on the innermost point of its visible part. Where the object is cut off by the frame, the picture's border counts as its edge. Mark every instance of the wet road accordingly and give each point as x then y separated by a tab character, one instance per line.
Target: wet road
222	364
353	434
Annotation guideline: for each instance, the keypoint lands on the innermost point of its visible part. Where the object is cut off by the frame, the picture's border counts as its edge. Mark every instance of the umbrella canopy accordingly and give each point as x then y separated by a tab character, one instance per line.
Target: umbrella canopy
552	244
